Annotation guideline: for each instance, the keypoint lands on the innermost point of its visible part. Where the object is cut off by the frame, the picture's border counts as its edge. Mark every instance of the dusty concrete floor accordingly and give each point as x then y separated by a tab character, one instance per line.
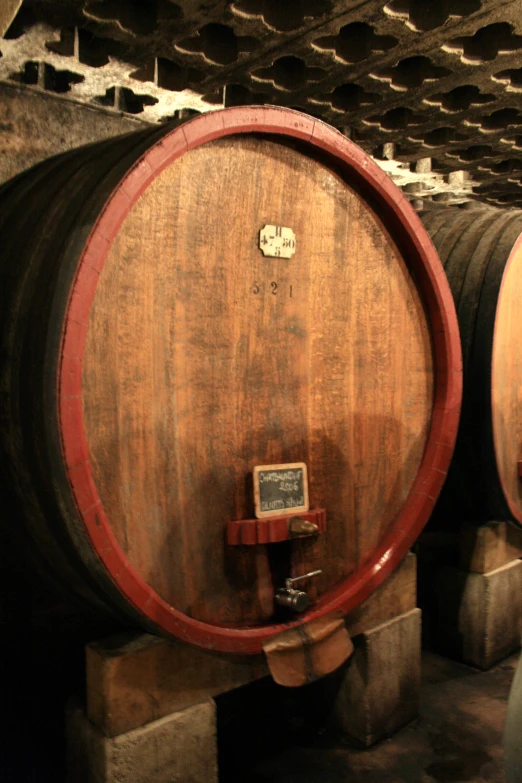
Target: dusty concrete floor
457	738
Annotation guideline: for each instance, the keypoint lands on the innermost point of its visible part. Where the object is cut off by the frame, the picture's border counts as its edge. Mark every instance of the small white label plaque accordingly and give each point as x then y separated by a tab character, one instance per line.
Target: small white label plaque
277	241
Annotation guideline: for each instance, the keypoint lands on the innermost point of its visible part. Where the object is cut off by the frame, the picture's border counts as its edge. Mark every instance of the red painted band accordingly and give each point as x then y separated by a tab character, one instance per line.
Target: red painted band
406	228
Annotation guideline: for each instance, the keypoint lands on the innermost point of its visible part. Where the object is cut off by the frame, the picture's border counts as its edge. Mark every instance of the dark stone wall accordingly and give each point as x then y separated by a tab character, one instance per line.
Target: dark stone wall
35	125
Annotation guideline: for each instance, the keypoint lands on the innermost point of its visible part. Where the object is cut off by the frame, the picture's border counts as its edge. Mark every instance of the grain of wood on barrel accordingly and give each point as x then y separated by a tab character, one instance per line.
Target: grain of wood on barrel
481	254
155	356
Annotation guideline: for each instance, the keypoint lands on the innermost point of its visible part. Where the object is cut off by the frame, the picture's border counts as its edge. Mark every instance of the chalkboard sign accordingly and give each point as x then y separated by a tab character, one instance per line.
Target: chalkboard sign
280	489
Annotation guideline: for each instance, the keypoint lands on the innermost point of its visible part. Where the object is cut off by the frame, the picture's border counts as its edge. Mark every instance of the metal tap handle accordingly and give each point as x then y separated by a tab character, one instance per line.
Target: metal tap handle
291	581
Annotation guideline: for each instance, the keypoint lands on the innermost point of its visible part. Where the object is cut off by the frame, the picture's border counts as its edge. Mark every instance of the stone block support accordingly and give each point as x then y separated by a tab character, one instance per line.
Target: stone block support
475	618
380	687
148	715
178	747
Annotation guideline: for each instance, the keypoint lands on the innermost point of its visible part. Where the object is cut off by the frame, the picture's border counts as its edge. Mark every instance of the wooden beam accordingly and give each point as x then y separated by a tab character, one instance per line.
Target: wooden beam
485	548
137	679
396	596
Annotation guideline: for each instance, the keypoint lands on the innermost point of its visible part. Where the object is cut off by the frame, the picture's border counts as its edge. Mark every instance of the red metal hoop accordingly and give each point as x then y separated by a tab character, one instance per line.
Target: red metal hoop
405	227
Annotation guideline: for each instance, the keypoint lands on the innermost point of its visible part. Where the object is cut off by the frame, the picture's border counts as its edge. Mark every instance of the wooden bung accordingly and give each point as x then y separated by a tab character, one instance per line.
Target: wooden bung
162	336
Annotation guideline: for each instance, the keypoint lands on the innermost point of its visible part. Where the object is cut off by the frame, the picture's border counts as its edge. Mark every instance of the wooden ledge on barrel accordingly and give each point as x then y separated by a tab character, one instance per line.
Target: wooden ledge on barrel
272	530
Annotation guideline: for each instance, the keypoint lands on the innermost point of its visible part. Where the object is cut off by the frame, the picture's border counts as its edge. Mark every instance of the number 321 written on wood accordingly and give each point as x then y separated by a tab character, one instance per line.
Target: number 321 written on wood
272	288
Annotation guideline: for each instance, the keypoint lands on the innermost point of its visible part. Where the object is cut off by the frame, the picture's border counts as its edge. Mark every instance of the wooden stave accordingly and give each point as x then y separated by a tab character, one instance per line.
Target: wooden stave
482	367
473	491
69	566
448	229
93	209
474	284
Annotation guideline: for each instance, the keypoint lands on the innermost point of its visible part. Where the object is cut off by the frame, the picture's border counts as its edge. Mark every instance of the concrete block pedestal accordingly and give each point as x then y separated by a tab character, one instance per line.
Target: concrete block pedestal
473	606
477	618
380	689
180	747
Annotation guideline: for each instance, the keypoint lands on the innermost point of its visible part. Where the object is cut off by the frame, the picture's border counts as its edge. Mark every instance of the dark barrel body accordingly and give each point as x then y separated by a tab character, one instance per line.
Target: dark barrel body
480	253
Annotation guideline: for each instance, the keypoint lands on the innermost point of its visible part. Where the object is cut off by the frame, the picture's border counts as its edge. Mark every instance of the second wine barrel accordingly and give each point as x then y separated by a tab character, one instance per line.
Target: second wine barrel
154	353
481	250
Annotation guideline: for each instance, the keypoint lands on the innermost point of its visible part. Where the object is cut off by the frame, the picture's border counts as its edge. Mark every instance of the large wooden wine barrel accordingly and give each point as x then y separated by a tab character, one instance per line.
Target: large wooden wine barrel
481	251
152	356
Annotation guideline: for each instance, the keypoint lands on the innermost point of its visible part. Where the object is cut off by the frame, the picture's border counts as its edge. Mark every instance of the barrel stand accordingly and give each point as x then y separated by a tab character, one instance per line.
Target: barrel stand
380	690
470	588
149	716
379	687
180	746
149	713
